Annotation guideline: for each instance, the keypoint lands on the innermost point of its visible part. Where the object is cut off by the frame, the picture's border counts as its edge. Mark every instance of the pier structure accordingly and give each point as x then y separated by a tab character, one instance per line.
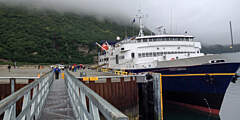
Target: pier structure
74	97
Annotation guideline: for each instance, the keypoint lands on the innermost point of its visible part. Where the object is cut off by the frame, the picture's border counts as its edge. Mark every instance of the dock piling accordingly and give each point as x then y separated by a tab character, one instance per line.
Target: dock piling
150	97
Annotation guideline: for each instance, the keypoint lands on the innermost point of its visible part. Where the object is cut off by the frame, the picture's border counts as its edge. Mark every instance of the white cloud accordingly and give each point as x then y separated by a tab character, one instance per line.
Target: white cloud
205	19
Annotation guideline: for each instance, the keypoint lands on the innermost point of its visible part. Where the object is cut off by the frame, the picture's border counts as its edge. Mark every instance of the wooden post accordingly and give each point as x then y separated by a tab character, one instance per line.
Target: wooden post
158	103
150	97
145	94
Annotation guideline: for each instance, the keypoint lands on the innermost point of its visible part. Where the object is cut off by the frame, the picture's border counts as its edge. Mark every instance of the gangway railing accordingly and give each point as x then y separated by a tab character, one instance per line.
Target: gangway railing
78	92
33	94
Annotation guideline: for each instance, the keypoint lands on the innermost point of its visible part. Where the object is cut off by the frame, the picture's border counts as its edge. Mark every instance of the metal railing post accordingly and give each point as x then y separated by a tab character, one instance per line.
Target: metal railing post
8	114
94	111
13	82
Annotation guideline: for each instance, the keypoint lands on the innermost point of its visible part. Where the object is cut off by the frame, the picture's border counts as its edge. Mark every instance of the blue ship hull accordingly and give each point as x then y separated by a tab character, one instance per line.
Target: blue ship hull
200	86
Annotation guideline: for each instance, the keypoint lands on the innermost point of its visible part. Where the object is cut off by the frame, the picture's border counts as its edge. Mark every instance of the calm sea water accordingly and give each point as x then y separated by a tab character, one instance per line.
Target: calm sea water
230	109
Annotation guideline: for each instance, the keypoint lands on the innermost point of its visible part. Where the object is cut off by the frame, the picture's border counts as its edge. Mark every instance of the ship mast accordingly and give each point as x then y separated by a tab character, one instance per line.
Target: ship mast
140	16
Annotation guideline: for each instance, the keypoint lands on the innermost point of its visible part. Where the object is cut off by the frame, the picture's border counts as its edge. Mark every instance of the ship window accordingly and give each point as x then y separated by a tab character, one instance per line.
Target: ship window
154	54
139	40
122	48
139	55
121	57
154	39
117	59
132	55
150	39
187	39
143	54
159	54
147	54
163	39
150	54
145	40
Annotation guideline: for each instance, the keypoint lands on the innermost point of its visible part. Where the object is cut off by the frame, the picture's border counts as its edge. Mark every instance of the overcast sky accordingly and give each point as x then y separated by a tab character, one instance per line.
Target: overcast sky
207	20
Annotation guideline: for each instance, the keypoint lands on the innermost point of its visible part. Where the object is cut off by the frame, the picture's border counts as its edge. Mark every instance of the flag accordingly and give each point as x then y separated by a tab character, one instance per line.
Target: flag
133	21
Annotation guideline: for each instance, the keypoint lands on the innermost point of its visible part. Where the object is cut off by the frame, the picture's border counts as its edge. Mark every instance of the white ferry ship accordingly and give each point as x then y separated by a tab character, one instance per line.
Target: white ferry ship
195	80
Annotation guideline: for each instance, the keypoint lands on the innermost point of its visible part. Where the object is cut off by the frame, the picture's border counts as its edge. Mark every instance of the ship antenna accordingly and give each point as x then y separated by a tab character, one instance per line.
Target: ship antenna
159	29
140	16
230	23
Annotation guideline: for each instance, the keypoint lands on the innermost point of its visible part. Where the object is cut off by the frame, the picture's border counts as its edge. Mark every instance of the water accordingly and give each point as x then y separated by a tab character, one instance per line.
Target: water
230	109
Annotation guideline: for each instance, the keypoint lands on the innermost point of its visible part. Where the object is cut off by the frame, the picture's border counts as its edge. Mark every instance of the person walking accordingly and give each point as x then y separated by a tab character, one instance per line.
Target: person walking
57	71
9	68
73	68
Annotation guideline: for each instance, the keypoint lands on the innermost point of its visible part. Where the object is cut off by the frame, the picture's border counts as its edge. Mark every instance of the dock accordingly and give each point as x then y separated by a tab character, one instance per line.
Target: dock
85	94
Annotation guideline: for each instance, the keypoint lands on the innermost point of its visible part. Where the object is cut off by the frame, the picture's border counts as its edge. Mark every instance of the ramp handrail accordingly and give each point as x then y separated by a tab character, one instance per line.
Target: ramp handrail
78	92
33	94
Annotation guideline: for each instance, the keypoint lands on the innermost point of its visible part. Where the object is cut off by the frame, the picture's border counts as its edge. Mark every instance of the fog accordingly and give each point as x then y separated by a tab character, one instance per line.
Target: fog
207	20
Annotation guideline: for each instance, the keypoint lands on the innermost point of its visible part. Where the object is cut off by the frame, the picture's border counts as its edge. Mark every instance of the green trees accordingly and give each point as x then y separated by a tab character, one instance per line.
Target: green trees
44	36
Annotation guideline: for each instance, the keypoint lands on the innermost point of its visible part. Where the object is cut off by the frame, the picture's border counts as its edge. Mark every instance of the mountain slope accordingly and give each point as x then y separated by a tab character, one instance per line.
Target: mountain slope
45	36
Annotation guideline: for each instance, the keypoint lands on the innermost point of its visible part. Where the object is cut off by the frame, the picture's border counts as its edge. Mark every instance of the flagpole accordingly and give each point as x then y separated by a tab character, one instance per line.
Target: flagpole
101	47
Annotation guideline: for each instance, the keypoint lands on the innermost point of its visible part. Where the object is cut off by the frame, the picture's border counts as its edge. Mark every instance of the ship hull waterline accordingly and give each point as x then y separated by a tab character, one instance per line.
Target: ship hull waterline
200	87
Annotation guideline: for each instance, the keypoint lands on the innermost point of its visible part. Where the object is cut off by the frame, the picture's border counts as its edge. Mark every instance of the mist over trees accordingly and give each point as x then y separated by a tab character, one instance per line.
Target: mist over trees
46	36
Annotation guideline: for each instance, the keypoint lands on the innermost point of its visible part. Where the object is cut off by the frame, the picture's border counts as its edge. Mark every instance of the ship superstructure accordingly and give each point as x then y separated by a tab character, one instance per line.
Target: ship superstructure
193	78
146	51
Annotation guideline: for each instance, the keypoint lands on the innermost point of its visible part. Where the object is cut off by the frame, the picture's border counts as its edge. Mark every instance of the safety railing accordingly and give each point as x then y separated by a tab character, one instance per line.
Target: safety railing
33	94
78	92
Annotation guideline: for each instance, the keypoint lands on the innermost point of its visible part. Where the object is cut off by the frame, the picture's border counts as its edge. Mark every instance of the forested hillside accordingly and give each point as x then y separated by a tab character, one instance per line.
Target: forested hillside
45	36
36	36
